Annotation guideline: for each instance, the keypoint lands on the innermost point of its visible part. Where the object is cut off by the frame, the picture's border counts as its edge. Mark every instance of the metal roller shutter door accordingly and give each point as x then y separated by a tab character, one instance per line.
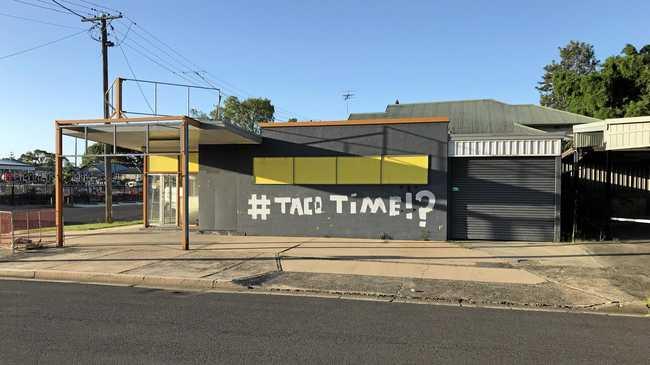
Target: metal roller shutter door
503	199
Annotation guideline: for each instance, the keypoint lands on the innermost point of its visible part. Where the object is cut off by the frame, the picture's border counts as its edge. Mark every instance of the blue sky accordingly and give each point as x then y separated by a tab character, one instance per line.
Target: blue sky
300	54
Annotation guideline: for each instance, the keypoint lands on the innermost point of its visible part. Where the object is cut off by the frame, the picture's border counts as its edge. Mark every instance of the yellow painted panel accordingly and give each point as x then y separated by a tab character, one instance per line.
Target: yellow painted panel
358	170
163	164
273	170
170	163
194	162
314	170
403	169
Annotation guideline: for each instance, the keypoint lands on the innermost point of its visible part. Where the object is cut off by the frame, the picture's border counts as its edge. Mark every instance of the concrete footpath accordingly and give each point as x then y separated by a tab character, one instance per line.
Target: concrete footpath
607	277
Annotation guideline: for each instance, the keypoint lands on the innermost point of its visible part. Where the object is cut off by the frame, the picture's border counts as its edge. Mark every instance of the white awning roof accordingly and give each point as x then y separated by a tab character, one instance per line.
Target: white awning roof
504	146
615	134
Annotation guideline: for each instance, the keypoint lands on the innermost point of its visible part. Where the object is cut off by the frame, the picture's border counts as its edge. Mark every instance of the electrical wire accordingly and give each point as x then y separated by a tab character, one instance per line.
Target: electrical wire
156	59
42	45
39	21
100	6
136	78
41	6
79	5
68	9
160	64
234	88
182	66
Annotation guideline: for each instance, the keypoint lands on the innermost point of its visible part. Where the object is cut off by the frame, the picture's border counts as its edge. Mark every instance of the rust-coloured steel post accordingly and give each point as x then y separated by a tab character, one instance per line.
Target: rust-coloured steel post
145	192
118	96
184	137
58	184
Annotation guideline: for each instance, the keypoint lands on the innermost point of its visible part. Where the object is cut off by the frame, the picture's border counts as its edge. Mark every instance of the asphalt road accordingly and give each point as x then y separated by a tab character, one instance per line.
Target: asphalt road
75	323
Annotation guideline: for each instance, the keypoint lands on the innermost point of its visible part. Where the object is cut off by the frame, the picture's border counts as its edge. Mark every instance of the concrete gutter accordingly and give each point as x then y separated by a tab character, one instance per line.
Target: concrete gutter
228	286
117	279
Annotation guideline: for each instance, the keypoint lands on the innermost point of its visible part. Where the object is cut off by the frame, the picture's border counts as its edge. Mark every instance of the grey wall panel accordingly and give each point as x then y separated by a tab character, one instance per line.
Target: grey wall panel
503	198
227	171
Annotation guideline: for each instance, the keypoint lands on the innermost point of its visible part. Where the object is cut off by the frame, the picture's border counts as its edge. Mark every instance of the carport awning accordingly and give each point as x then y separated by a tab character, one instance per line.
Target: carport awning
162	133
620	134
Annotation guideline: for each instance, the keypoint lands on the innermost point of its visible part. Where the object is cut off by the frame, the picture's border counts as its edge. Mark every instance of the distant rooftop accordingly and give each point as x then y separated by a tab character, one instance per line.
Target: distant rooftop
484	116
14	165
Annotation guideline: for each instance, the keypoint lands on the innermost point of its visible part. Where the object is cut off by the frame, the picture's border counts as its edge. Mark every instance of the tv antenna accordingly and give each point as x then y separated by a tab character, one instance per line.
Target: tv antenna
348	96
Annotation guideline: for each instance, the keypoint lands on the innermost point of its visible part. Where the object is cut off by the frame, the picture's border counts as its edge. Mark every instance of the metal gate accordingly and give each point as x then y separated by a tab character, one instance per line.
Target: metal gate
504	199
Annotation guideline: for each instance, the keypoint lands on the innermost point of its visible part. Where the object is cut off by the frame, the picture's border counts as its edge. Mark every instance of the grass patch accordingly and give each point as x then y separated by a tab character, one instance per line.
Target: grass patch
94	226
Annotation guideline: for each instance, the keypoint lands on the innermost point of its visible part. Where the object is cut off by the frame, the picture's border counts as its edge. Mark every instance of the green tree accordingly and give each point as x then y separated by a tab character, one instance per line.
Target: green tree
98	149
619	87
576	58
38	158
246	113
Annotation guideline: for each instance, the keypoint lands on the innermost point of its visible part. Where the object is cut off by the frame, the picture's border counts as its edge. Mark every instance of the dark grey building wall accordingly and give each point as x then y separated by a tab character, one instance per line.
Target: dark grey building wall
505	198
226	185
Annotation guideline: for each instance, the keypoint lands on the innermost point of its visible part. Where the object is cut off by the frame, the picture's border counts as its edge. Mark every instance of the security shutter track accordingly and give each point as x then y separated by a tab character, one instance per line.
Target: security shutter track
503	199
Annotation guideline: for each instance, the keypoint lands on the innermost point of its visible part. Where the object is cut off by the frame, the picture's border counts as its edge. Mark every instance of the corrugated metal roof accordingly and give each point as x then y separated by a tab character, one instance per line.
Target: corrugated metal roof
14	165
485	116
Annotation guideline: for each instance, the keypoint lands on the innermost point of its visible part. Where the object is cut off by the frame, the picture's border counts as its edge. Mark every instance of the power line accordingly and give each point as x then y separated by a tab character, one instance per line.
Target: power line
160	64
39	21
100	6
145	52
234	88
136	79
79	5
41	6
183	66
42	45
68	9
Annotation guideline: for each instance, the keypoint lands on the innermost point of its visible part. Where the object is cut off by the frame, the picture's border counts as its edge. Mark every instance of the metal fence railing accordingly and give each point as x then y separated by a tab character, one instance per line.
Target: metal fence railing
43	194
6	229
33	226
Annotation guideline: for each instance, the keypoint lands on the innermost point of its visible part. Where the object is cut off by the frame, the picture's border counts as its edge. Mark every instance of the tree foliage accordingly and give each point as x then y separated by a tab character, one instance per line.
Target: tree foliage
579	83
98	149
245	113
38	158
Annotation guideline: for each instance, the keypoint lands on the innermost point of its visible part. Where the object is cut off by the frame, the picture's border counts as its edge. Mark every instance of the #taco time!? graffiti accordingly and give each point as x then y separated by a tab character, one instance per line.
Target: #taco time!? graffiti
262	207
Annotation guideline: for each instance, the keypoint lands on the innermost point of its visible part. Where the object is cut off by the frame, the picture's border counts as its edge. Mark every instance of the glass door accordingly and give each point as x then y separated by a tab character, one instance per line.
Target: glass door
168	202
162	199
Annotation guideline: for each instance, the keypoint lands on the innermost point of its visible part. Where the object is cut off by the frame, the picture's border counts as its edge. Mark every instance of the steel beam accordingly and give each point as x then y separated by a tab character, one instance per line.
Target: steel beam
145	192
58	185
186	182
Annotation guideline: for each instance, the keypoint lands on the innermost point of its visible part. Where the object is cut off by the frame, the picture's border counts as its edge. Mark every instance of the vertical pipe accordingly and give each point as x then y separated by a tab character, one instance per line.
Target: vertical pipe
40	228
179	169
155	99
188	101
114	139
145	192
608	195
146	140
58	188
13	236
576	178
118	98
27	218
186	182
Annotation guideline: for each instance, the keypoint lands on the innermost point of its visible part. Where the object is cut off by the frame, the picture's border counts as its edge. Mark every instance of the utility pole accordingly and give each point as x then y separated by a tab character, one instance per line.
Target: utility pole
347	97
103	20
